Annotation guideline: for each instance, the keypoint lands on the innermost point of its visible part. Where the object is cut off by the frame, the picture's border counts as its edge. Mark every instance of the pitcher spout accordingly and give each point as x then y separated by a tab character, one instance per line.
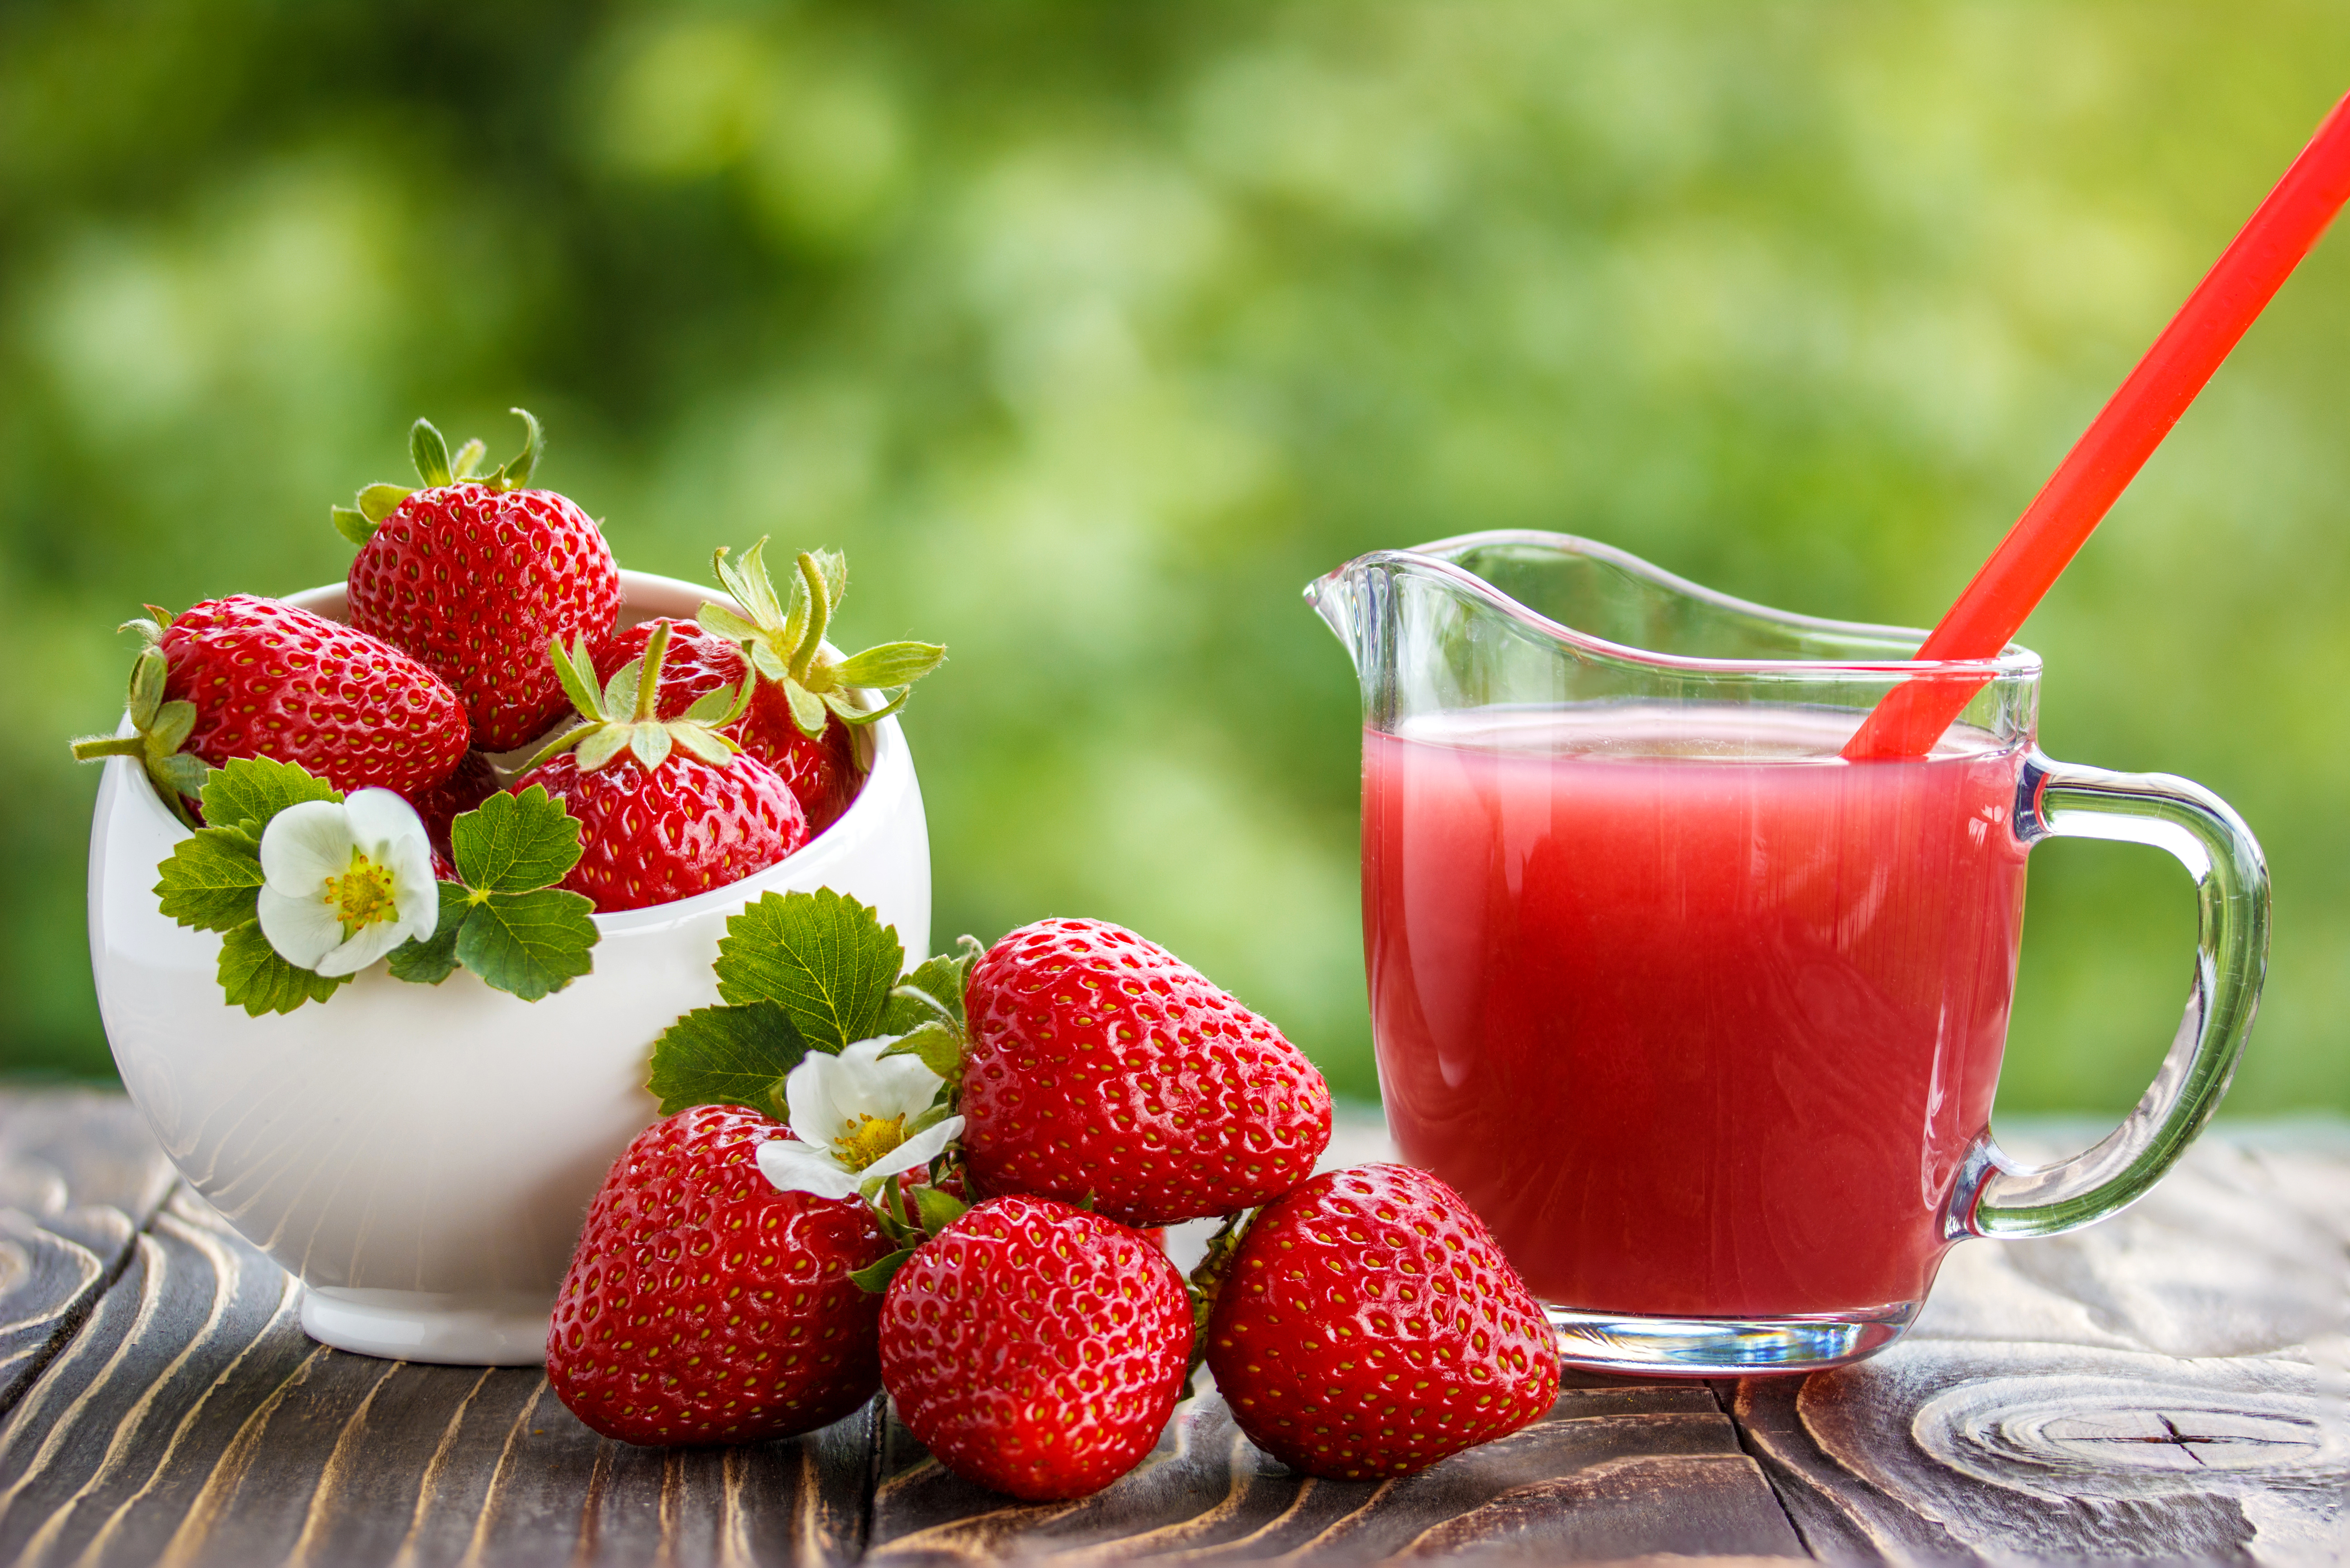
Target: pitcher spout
1334	599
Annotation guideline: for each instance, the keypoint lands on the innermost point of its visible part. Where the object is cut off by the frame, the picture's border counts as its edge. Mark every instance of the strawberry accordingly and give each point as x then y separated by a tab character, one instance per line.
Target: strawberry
440	804
665	809
1036	1348
806	693
247	677
473	576
1099	1065
1367	1326
705	1306
821	771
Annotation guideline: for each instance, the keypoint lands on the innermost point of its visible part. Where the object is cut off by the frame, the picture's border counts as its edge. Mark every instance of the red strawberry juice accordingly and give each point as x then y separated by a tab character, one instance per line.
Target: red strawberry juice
1701	1017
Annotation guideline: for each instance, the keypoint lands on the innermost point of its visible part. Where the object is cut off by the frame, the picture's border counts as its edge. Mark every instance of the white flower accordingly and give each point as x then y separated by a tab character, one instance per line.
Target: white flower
848	1116
342	885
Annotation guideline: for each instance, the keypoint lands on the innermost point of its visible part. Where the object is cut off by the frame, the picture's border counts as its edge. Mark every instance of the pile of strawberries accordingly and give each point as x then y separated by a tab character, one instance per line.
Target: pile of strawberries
484	615
1028	1324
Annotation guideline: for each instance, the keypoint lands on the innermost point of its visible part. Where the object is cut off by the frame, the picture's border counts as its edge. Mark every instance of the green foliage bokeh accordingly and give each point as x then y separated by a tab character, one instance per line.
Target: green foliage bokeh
1093	332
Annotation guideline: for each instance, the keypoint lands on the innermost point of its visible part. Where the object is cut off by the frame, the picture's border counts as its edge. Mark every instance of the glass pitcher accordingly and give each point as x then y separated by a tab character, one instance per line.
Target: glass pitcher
1704	1018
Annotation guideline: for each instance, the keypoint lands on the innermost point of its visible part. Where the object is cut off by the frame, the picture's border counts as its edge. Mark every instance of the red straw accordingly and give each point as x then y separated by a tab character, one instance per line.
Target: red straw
2108	456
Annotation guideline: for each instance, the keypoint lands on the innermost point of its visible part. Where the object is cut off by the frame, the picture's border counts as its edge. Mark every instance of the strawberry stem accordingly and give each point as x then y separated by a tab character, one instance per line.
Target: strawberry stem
819	613
649	683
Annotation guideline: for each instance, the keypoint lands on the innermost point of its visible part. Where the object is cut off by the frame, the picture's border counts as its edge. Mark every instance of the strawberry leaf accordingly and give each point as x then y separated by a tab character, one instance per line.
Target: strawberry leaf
513	843
937	1047
531	944
826	961
434	959
727	1056
352	524
892	664
938	1209
378	501
874	1278
245	794
429	452
252	976
940	982
212	881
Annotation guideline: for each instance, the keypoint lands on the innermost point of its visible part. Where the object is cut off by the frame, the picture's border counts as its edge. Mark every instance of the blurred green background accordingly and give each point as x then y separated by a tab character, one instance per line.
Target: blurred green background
1092	332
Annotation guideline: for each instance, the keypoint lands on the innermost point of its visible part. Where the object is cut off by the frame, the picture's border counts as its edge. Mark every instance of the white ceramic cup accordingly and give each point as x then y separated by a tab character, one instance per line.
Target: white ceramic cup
422	1156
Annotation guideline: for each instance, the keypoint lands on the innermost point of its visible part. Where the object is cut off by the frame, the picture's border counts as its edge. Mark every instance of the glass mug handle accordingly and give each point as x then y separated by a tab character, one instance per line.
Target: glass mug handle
2058	800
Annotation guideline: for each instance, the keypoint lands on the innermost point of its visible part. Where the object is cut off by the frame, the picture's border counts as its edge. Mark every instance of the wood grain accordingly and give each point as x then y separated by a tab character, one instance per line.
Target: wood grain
192	1423
1616	1469
2168	1384
79	1177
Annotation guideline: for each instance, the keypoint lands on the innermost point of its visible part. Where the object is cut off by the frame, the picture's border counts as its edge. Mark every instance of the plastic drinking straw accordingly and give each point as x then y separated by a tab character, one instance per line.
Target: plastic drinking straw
1914	714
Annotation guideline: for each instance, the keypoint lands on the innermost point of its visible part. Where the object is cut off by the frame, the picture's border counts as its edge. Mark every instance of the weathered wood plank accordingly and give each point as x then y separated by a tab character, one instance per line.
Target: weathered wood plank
79	1176
192	1422
1615	1470
2166	1384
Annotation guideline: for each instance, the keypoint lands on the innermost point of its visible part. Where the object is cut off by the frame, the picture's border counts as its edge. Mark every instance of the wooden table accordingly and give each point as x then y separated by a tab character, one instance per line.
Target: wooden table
2168	1385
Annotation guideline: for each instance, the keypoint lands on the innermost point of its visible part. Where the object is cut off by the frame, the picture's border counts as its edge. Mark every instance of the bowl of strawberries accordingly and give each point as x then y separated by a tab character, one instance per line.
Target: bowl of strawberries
394	882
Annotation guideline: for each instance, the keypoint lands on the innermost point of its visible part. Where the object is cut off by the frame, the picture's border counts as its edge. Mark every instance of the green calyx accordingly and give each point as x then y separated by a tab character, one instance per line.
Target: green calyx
624	715
783	640
434	466
161	728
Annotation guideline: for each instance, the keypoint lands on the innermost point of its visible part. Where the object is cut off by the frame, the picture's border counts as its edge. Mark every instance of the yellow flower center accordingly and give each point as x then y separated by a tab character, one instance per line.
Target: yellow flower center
867	1139
362	896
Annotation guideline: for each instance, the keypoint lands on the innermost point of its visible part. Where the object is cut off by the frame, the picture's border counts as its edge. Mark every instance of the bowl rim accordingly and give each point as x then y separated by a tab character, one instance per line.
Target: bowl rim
863	819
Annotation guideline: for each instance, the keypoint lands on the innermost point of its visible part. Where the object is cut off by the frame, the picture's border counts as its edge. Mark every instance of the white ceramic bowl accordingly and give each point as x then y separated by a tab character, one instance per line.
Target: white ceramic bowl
423	1155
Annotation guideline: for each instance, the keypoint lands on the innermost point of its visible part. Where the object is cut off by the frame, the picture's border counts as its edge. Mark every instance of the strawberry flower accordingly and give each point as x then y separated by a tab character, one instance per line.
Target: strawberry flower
343	883
856	1118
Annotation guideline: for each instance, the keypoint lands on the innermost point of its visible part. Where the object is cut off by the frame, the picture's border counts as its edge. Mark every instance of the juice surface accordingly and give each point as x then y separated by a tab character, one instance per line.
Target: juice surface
1700	1017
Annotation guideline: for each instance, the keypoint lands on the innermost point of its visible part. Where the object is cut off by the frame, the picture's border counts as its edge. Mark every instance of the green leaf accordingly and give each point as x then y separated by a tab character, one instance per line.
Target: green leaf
515	843
939	983
720	621
828	961
174	722
429	452
892	664
603	744
576	670
727	1056
833	566
378	501
468	461
705	743
531	944
619	696
434	959
352	524
212	881
874	1278
252	976
938	1209
768	662
246	793
517	469
938	1045
650	742
149	672
177	776
750	582
807	709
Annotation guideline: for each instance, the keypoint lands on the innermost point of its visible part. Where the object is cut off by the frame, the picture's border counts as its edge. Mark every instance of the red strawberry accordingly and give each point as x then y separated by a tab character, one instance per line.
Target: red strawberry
1368	1325
821	771
648	835
247	677
473	782
665	809
1101	1065
705	1306
473	576
1036	1348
